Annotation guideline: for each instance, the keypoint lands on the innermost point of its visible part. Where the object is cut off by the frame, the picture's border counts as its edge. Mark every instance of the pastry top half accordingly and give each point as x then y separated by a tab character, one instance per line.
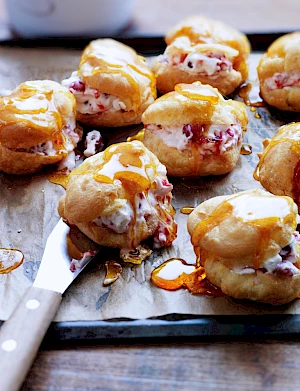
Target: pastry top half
279	73
248	231
35	113
278	169
203	30
120	197
195	103
111	78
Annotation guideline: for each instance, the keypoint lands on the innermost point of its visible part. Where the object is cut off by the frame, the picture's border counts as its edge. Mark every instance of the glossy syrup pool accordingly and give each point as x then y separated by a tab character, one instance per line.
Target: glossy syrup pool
175	273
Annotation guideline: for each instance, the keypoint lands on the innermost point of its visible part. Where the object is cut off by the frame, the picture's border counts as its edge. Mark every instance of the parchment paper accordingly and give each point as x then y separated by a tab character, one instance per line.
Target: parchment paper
28	214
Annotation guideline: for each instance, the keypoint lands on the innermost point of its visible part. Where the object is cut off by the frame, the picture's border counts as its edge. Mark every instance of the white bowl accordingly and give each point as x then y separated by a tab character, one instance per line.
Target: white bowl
62	18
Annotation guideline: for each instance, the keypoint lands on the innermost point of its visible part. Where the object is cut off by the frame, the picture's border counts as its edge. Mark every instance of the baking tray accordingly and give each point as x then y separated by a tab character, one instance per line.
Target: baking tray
173	325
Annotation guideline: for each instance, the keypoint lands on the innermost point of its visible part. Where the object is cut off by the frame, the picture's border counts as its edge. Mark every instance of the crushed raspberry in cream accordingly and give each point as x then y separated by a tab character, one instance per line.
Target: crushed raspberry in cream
281	264
119	220
90	100
213	139
208	64
282	80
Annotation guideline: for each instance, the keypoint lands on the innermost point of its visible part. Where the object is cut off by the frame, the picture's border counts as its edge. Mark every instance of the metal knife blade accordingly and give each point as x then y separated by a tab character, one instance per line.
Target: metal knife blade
54	272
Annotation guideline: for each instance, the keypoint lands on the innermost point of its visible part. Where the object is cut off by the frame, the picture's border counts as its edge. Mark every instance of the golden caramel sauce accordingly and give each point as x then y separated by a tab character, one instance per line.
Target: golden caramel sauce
113	272
137	255
115	58
198	91
257	115
246	149
250	94
32	104
253	109
10	259
186	210
266	227
139	136
183	275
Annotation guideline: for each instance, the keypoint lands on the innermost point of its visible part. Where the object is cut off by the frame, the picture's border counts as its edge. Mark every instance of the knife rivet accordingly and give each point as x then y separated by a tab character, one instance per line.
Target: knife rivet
32	304
9	345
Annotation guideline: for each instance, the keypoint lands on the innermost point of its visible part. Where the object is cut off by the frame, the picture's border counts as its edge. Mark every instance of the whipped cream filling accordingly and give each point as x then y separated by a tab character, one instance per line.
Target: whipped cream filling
214	139
90	100
282	80
119	220
208	64
282	264
93	143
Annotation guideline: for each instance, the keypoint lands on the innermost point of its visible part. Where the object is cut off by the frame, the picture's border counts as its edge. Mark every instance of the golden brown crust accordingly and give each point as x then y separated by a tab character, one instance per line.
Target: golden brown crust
21	163
114	68
87	198
234	241
283	56
279	160
198	34
34	113
262	287
232	245
168	75
203	29
185	163
175	110
19	133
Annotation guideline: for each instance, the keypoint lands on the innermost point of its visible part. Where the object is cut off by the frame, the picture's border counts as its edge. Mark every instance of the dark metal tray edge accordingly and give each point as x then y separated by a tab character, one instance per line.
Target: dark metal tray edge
173	325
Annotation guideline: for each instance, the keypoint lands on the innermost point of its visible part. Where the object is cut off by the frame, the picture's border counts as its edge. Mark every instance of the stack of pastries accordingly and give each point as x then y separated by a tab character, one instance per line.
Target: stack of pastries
206	50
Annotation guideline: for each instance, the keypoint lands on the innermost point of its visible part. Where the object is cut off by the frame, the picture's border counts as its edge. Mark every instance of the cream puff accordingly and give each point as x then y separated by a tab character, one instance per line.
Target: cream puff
248	245
37	128
206	50
194	131
279	73
278	169
113	85
121	197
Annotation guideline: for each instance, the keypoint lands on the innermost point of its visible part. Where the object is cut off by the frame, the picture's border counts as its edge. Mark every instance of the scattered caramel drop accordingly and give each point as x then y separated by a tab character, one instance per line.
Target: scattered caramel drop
113	271
256	115
138	136
58	178
10	259
186	210
246	149
252	109
136	256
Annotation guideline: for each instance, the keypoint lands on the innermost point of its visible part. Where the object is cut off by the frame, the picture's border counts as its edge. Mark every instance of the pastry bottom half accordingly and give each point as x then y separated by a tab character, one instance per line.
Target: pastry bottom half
259	286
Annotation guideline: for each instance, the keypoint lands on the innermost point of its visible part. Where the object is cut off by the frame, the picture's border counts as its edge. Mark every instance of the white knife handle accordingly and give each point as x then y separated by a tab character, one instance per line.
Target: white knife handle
22	334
